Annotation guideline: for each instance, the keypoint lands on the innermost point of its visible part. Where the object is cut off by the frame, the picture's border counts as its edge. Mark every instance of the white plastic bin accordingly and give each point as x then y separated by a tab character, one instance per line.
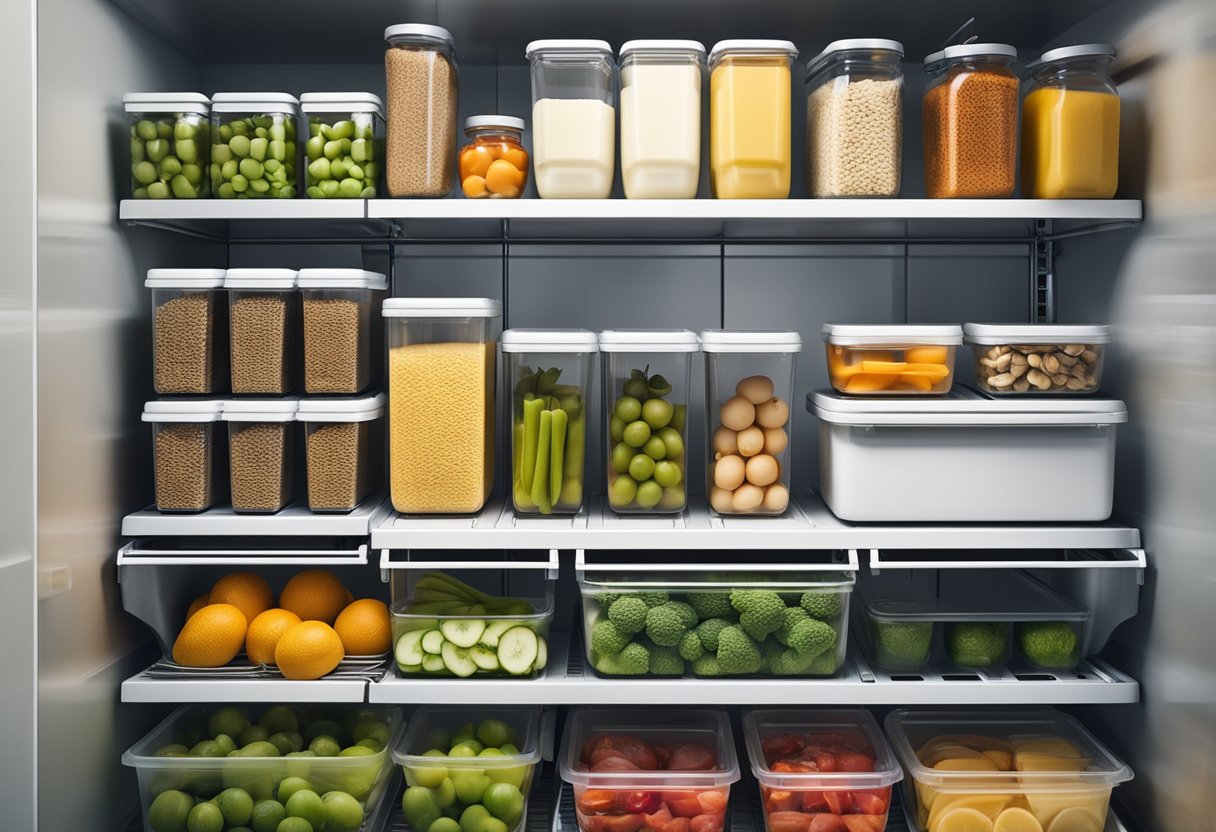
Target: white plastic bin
189	331
339	435
183	452
337	311
260	445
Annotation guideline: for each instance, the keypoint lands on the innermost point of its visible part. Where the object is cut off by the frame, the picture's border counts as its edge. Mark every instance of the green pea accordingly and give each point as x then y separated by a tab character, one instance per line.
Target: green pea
225	132
259	186
143	172
193	174
286	192
257	149
158	190
145	129
140	193
279	176
240	127
329	187
337	169
239	184
314	148
333	149
368	193
169	167
226	191
342	130
216	171
184	130
259	132
262	121
137	150
371	170
315	193
277	132
240	146
157	149
354	171
164	129
187	150
182	189
350	188
278	150
315	128
319	169
272	166
221	153
345	146
228	169
358	150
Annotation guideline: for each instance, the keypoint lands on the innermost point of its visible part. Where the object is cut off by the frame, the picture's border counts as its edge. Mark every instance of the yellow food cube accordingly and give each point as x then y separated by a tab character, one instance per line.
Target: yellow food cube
962	820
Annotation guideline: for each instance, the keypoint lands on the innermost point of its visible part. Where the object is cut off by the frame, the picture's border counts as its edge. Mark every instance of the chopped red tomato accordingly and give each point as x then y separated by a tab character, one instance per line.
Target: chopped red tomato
712	802
813	801
827	823
596	801
691	757
612	823
682	804
613	763
865	823
776	800
782	745
852	761
789	822
659	818
632	749
826	761
707	823
838	802
869	803
634	802
795	765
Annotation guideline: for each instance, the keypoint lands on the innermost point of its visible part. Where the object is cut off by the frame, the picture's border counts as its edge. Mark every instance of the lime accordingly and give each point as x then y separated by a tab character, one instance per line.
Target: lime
279	718
342	812
237	806
226	744
252	734
445	825
290	786
205	817
324	745
306	804
266	815
372	729
169	811
322	726
231	721
295	825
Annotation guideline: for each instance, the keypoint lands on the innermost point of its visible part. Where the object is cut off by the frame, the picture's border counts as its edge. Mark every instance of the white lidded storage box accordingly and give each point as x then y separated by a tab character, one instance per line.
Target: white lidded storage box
965	457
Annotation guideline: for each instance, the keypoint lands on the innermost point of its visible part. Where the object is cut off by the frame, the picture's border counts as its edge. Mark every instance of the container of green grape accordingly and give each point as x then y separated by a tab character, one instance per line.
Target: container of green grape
647	381
345	144
169	140
253	145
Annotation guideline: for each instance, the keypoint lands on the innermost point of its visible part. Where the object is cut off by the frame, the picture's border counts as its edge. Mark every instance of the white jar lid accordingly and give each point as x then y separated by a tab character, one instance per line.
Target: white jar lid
340	279
1065	53
634	46
550	340
418	33
260	279
442	308
253	102
184	410
963	407
343	409
566	45
185	278
751	340
166	102
1037	333
649	340
506	122
868	335
977	50
753	47
261	410
817	63
341	102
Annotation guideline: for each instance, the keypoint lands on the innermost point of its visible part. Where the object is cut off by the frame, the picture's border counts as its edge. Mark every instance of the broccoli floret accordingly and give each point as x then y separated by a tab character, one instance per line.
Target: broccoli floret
811	637
607	599
902	644
708	631
790	662
690	647
1051	645
822	665
761	611
665	661
607	639
770	652
822	605
977	643
654	598
707	665
665	624
737	653
710	604
790	617
634	660
687	614
629	614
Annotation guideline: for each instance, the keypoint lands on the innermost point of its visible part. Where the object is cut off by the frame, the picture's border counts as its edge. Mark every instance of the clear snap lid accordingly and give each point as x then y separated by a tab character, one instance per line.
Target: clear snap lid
853	724
185	278
261	410
1036	333
281	279
889	49
442	308
872	335
341	279
963	407
968	596
632	47
418	33
184	410
549	340
649	340
166	102
1067	53
970	50
751	340
505	122
253	102
432	726
341	102
753	47
538	47
341	409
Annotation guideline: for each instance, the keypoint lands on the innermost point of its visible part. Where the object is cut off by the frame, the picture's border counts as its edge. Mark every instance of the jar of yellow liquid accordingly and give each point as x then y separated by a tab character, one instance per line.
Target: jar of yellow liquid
749	118
1070	125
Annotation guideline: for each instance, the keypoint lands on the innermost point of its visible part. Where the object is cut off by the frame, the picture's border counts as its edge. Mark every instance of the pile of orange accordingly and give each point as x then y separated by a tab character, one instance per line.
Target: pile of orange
316	624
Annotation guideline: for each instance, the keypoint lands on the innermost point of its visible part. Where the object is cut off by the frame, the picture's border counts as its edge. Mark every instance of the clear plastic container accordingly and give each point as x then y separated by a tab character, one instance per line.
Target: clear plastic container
968	769
1070	125
607	799
971	122
496	786
260	446
661	118
171	779
338	327
183	452
615	646
549	375
253	145
1037	358
264	326
441	376
891	359
821	762
170	137
493	164
573	118
749	118
647	381
423	92
854	119
189	331
749	379
349	169
338	442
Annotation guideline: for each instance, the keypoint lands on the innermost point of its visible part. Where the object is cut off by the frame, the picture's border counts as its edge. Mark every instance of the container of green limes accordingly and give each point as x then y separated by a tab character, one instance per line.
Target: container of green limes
345	144
253	145
169	142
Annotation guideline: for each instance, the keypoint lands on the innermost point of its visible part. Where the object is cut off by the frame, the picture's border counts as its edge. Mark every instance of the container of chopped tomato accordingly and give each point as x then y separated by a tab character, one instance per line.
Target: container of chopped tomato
821	770
649	771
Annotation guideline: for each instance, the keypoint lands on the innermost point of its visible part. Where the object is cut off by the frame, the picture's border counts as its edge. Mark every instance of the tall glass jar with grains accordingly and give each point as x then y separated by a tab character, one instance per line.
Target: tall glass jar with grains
423	87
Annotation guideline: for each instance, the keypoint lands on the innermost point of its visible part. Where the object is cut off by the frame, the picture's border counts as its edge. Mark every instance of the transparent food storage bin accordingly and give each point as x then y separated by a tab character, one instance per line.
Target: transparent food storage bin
345	146
184	760
264	326
423	91
647	377
183	452
549	376
443	768
441	375
821	762
338	327
493	164
573	118
339	435
260	446
891	359
675	623
749	118
661	118
445	626
189	330
749	379
631	768
253	145
1036	768
1037	358
169	144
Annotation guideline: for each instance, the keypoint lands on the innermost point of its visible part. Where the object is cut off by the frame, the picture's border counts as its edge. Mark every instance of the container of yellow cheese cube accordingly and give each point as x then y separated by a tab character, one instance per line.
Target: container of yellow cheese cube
891	359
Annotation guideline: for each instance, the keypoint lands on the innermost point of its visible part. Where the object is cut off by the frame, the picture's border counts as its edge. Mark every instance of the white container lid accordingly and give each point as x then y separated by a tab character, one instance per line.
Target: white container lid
759	725
419	33
1066	53
753	47
341	102
282	279
977	50
853	44
166	102
567	45
963	406
649	340
630	47
253	102
872	335
507	122
184	410
751	340
344	409
550	340
340	279
442	308
185	278
1037	333
261	410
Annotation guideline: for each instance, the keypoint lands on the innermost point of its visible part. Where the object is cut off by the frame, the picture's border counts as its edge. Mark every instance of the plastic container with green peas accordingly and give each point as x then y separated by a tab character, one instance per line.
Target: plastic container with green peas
169	140
253	145
345	145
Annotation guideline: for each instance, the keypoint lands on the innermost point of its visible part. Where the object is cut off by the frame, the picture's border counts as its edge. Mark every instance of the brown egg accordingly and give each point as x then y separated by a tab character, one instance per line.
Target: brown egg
725	441
721	500
729	472
738	413
747	497
776	441
776	498
756	389
762	470
772	414
750	441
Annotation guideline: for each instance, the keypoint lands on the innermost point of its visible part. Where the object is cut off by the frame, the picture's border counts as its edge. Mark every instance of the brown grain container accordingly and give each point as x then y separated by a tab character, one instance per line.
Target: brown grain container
339	435
260	443
264	326
339	341
183	452
423	88
189	326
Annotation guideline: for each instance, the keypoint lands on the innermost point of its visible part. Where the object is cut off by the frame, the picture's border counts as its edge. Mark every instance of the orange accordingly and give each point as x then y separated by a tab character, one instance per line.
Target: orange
246	591
308	650
265	632
364	628
197	604
211	638
314	595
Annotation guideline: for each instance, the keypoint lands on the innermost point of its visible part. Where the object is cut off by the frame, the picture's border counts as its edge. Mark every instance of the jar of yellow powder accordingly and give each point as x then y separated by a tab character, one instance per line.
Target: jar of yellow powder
441	402
1070	125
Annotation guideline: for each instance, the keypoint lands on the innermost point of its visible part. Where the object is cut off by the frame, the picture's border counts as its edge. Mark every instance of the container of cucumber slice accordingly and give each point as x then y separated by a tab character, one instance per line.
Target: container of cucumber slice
445	627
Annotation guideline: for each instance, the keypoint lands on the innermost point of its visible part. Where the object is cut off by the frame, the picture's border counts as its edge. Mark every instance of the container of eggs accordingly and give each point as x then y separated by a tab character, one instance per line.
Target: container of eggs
749	378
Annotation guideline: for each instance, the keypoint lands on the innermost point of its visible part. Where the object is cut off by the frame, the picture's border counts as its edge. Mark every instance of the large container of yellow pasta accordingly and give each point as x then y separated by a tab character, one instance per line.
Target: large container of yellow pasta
441	402
1070	125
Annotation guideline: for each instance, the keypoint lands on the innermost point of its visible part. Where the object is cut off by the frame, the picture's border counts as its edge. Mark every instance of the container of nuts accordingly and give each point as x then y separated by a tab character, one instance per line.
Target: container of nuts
264	326
338	436
260	444
1037	358
338	323
189	331
183	452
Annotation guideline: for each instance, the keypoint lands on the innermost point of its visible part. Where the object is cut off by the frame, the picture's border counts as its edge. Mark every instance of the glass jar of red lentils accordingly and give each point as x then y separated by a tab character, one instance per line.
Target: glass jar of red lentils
494	162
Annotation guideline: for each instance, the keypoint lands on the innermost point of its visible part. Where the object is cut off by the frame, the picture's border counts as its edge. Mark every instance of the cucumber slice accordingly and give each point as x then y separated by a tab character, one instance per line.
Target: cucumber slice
494	631
517	650
483	657
432	663
457	659
463	632
432	641
542	653
409	648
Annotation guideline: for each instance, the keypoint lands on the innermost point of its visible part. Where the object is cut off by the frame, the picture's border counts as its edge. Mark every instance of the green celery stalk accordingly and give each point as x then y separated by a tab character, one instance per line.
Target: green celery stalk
557	446
532	411
540	476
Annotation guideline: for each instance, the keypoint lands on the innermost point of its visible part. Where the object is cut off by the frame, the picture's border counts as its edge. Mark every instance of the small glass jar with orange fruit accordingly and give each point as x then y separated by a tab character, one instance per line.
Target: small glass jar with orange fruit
494	163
